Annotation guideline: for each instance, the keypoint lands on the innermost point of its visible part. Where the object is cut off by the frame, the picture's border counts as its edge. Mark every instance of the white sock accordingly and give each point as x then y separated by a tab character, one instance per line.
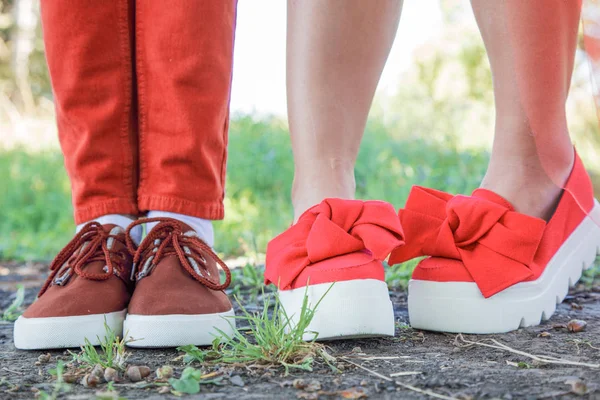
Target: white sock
203	227
119	220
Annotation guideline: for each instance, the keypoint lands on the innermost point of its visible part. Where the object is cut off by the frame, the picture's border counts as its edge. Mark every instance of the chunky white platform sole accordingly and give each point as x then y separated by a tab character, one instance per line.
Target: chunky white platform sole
177	329
351	309
460	306
65	332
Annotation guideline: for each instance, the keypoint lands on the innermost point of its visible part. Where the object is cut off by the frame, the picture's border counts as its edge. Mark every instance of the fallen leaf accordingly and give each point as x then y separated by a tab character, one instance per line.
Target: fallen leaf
211	374
164	390
354	393
164	372
544	334
307	395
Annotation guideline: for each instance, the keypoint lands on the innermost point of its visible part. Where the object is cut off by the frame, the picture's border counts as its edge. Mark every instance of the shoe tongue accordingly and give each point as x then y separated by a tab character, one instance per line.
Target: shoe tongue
97	267
493	197
185	227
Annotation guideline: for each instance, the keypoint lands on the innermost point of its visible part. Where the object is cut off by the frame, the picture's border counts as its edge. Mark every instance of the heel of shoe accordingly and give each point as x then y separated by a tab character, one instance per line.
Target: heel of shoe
347	309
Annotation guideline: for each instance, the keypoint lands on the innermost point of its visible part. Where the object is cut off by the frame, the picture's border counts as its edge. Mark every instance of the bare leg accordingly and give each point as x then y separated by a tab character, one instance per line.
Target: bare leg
336	50
531	47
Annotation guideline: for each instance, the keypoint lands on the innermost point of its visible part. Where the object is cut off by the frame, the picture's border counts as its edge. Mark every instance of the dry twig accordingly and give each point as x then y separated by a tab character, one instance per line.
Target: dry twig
538	358
404	385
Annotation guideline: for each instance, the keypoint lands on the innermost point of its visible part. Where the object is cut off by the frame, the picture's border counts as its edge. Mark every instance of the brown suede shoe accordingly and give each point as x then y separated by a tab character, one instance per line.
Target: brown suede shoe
178	297
89	285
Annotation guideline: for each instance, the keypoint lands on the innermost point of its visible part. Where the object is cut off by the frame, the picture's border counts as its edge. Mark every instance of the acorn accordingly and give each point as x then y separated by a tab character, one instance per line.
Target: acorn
90	380
111	375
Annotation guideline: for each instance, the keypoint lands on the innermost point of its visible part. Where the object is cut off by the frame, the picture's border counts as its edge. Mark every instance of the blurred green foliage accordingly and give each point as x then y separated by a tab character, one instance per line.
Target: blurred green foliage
36	212
429	132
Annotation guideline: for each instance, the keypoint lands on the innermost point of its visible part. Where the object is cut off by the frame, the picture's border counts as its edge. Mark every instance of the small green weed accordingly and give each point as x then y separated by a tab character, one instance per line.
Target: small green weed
109	394
397	276
194	354
591	276
60	386
14	309
113	353
190	381
248	280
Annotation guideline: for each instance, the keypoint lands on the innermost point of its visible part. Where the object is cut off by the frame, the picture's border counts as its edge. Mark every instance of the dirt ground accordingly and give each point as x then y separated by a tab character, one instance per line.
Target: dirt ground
426	363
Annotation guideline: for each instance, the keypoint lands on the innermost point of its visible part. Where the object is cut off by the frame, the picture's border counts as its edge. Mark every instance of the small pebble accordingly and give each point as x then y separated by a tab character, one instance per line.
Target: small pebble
299	384
70	378
313	386
576	325
236	380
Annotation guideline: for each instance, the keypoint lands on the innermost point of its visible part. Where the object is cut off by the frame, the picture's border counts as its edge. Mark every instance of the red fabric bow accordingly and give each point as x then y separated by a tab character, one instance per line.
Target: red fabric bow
332	228
495	243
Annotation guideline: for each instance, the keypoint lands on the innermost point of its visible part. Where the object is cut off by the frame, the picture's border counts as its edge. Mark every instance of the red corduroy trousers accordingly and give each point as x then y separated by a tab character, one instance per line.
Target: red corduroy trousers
141	89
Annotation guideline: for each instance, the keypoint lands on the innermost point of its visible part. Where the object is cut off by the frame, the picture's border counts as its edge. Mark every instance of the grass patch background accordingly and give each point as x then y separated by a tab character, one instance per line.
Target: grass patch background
36	212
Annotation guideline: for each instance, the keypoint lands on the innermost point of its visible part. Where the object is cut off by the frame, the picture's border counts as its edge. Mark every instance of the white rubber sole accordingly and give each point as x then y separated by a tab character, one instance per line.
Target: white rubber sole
460	306
351	309
146	331
65	332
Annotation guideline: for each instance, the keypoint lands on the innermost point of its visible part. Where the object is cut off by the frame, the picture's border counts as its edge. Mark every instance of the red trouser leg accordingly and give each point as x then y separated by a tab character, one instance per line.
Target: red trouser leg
89	53
184	56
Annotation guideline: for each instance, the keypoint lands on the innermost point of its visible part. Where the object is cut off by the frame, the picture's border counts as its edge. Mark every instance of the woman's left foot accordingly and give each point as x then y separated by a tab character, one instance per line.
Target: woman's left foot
491	269
330	262
178	297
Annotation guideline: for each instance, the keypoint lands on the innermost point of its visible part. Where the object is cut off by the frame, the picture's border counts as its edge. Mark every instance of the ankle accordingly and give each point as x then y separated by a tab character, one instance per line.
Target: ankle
525	183
309	189
203	227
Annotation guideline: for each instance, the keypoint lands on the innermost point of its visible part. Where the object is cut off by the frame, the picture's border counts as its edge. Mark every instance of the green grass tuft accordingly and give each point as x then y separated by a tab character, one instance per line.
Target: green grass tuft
14	310
60	386
112	352
268	338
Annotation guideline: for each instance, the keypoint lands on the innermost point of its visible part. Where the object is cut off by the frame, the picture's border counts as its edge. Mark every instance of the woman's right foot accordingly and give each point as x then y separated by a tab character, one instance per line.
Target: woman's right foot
88	288
490	268
333	255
